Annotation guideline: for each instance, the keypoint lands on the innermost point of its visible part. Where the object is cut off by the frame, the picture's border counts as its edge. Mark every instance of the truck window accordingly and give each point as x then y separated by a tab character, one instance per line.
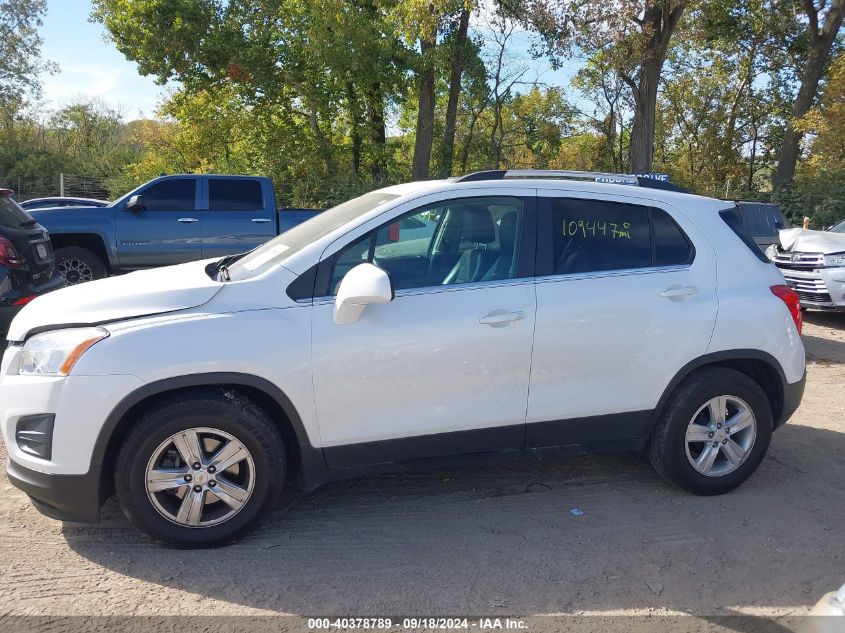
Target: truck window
234	194
171	195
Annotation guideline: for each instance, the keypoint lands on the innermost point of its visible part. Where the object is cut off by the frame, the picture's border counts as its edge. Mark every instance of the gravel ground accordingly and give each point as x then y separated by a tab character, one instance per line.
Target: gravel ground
492	539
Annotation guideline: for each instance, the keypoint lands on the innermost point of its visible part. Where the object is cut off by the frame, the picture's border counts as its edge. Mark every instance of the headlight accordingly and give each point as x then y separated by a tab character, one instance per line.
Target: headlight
834	260
772	252
55	353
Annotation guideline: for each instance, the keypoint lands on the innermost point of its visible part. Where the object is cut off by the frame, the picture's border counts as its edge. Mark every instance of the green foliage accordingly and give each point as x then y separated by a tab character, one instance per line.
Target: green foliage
20	50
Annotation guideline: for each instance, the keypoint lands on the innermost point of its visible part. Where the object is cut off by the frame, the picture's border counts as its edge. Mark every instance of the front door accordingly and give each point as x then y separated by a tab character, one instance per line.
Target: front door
443	368
625	299
168	230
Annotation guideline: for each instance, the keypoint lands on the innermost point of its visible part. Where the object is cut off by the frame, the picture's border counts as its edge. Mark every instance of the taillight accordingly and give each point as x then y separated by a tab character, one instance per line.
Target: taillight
9	255
24	300
793	303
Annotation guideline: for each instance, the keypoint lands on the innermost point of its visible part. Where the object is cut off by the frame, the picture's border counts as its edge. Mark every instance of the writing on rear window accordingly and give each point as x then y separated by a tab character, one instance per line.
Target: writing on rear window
598	229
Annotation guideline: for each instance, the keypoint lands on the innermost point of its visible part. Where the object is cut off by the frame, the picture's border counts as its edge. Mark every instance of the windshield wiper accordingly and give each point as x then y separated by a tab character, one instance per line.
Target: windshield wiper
220	268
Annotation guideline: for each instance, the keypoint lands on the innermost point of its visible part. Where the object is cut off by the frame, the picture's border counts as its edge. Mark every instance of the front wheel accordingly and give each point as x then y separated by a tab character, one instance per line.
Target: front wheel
201	470
78	265
714	432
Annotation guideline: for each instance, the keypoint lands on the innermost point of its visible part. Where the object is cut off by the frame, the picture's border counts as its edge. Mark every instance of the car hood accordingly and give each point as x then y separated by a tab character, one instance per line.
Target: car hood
142	293
806	241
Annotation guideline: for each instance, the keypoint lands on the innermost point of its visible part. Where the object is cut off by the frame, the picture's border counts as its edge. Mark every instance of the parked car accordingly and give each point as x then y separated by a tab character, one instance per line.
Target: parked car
762	221
813	264
26	260
169	220
543	314
59	201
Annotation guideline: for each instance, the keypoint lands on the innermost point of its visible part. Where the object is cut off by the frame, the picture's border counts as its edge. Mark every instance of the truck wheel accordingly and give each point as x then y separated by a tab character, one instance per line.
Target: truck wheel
713	433
78	265
200	470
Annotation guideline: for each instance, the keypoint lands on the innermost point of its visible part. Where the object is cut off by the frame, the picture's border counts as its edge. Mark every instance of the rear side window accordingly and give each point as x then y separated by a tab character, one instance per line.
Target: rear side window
12	215
671	246
734	221
171	195
234	194
596	235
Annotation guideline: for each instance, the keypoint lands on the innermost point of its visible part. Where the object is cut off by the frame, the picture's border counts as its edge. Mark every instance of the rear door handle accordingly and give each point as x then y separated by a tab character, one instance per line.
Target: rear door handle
187	220
261	220
678	292
500	317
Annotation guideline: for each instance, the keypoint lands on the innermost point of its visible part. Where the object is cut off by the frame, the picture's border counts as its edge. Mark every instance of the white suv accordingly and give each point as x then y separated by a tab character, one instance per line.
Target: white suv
495	312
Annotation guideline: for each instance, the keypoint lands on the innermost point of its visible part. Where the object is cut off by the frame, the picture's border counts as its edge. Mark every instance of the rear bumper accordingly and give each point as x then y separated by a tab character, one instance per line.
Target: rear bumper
8	310
792	394
63	497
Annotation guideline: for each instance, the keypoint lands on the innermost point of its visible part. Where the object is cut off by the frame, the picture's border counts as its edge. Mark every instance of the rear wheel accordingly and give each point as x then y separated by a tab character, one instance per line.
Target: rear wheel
78	265
714	432
200	471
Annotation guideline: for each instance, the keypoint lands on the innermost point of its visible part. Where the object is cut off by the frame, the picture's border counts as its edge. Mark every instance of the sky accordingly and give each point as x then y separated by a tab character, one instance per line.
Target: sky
91	66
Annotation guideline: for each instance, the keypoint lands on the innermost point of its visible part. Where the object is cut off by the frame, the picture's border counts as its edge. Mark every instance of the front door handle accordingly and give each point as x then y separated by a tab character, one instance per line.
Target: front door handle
678	292
501	317
261	220
187	220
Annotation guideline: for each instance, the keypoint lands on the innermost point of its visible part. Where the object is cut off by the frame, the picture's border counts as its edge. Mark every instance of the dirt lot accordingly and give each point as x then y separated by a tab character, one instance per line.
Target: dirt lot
484	540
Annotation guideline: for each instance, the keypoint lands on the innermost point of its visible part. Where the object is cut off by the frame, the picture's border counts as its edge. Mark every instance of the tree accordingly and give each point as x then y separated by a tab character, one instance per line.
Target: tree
20	48
823	23
459	52
633	37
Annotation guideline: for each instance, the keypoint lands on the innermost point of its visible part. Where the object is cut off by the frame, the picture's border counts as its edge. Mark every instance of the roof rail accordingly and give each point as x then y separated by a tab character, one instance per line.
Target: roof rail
565	174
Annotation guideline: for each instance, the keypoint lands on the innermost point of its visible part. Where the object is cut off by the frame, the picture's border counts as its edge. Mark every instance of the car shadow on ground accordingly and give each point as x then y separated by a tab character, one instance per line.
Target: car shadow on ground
835	320
502	539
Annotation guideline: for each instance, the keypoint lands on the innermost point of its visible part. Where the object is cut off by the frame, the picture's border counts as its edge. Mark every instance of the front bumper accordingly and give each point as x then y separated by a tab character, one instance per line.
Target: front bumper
821	288
63	497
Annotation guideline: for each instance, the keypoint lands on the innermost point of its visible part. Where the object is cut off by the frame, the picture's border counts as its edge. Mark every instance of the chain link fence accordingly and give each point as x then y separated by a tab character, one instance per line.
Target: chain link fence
56	185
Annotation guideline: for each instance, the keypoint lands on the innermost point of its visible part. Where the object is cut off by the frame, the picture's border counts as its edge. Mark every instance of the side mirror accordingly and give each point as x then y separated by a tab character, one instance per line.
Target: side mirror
361	286
135	203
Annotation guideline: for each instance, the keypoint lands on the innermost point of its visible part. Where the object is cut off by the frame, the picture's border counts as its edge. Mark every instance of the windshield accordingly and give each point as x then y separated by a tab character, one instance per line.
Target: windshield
12	215
279	249
839	228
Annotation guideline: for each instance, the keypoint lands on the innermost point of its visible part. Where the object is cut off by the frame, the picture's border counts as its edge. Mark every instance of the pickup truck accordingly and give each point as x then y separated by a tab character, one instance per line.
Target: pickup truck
169	220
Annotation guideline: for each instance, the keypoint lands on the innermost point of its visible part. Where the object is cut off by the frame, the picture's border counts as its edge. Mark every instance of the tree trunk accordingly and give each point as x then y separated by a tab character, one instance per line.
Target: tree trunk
355	124
448	148
377	129
425	109
659	22
821	42
641	145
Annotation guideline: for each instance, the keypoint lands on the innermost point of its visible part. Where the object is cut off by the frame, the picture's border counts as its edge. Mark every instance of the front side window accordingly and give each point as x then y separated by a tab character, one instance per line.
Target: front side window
170	195
234	194
467	240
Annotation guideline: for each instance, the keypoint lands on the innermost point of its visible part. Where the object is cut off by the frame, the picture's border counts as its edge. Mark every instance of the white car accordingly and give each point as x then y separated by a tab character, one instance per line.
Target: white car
542	311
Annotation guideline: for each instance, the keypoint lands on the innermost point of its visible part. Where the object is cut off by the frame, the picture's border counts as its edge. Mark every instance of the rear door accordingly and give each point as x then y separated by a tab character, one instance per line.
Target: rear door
626	298
168	230
239	216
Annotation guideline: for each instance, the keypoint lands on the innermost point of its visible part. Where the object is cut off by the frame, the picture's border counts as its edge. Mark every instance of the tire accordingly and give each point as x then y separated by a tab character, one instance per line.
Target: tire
78	265
255	481
672	455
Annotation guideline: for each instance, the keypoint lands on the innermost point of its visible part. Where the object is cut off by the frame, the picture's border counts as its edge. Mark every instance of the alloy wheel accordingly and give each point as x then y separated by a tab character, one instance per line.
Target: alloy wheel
720	436
75	271
200	477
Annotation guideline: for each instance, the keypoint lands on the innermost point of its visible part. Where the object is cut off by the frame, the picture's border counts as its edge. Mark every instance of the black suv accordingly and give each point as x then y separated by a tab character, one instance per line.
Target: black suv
26	260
